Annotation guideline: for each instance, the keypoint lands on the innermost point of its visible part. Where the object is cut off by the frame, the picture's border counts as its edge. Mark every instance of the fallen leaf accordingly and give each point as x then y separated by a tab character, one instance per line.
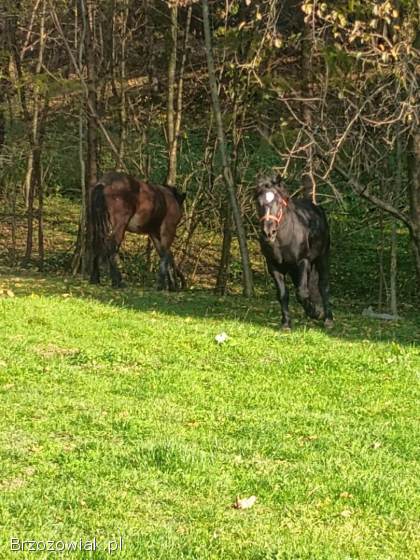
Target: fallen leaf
244	503
346	495
10	293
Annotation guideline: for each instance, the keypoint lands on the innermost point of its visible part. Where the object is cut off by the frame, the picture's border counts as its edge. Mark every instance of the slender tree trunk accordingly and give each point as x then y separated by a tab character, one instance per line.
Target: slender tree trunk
225	259
88	47
393	271
382	287
35	139
393	266
2	121
81	241
41	249
414	195
309	187
227	172
173	147
28	175
170	111
14	223
123	97
92	130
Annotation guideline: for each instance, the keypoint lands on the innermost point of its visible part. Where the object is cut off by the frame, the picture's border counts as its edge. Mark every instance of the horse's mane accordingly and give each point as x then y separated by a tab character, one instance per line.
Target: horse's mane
179	196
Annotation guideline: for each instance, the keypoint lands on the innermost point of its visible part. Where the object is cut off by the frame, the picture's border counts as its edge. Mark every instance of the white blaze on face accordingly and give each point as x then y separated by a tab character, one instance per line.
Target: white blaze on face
269	196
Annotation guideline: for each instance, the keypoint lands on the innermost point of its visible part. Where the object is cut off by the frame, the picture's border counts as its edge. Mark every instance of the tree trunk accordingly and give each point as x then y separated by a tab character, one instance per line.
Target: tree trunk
40	187
92	131
225	259
414	195
82	257
227	172
123	97
393	271
393	266
35	140
309	187
173	147
170	112
2	121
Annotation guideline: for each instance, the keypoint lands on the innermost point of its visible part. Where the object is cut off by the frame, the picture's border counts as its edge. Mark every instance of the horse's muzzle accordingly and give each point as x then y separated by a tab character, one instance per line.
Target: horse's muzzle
270	232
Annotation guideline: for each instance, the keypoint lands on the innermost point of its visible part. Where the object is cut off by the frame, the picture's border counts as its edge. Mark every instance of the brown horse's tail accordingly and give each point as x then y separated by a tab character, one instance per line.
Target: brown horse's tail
101	225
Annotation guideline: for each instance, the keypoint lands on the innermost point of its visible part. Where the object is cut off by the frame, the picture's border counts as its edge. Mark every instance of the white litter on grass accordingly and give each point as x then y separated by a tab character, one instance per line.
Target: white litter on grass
244	503
221	338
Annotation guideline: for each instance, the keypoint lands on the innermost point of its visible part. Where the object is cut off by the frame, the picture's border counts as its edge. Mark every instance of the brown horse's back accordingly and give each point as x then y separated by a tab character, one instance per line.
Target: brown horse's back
151	209
141	207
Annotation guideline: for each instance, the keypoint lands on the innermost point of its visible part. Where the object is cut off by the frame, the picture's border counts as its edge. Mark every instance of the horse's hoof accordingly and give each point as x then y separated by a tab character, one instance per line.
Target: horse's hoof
119	286
286	328
328	323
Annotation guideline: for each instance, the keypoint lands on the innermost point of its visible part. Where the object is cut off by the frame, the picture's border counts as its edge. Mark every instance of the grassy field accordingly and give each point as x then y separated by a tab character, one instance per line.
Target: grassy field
122	416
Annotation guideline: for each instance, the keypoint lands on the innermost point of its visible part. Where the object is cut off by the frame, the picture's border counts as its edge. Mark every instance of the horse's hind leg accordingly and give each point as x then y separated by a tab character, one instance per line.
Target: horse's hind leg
171	272
301	282
169	269
115	272
180	275
163	263
324	288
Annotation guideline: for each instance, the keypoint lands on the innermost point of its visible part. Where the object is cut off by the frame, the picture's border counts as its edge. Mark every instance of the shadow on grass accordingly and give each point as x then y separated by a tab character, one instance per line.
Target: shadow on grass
262	310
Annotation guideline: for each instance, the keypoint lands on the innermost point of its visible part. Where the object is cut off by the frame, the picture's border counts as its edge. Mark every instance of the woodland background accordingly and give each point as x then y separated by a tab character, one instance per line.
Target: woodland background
209	96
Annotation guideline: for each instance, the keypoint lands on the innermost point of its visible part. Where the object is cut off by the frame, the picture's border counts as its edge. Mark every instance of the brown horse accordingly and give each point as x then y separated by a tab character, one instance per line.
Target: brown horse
120	203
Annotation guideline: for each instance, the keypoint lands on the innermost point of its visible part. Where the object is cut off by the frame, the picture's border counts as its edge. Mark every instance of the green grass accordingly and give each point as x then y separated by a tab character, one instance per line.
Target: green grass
121	415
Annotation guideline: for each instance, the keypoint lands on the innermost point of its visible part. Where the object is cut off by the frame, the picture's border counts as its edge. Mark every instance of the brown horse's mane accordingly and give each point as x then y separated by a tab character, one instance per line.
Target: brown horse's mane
179	196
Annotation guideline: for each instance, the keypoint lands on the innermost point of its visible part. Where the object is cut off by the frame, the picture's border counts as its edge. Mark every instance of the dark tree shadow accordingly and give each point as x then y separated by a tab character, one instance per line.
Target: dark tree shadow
262	310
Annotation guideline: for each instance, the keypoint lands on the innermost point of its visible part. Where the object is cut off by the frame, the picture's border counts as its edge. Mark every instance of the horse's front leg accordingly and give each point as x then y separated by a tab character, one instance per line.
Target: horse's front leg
283	297
114	260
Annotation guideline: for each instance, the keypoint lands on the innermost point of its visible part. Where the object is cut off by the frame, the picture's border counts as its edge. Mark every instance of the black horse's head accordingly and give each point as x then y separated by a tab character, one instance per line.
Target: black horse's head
272	199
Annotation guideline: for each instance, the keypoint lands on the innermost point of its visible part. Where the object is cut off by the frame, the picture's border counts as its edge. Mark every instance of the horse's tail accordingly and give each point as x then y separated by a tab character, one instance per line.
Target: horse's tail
101	225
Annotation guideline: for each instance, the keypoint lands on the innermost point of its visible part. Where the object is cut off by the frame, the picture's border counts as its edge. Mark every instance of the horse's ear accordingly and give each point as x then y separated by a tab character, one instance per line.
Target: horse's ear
258	190
281	187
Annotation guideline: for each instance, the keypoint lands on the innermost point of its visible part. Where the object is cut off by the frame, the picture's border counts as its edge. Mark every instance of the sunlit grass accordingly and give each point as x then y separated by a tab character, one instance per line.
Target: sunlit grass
121	415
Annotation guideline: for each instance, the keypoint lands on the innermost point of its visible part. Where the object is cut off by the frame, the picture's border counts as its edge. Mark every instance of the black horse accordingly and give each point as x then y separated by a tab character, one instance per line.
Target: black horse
295	240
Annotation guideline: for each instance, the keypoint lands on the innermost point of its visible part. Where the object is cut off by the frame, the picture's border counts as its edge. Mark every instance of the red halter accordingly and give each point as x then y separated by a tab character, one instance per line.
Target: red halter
276	218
